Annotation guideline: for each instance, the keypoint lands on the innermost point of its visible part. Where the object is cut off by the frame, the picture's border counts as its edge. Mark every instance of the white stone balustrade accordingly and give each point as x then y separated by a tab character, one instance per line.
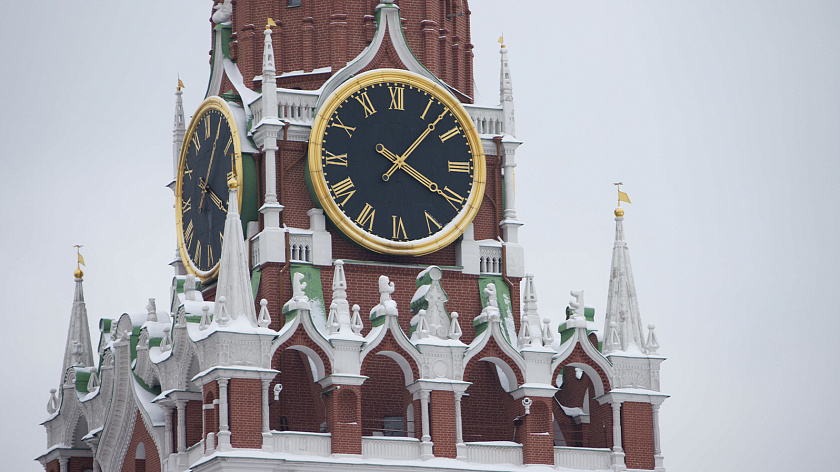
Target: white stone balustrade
303	443
390	448
490	259
501	452
582	458
300	247
487	120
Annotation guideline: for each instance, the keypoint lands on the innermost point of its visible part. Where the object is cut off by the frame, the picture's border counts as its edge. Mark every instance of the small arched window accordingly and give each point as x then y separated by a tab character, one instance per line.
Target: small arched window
140	458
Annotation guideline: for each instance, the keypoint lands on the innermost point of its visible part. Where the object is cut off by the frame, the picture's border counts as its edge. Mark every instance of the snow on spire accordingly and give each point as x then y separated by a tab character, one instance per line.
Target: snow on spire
234	279
506	93
623	324
78	350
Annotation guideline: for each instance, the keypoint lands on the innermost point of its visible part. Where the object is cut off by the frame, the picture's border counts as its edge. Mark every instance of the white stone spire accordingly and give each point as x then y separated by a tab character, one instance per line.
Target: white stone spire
530	334
234	278
178	129
78	350
622	319
506	93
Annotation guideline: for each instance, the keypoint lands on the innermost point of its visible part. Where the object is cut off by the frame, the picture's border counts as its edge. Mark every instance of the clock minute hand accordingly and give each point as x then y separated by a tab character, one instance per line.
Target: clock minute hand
407	168
401	159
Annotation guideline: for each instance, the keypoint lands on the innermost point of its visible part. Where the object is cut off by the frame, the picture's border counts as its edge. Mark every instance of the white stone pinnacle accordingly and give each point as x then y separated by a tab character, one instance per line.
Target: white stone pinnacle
234	277
78	350
623	327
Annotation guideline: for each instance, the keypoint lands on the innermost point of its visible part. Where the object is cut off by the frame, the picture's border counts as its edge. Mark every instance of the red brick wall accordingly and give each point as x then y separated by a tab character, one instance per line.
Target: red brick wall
383	393
486	412
344	419
535	433
140	434
442	422
580	357
80	464
194	422
637	435
52	466
300	407
306	37
211	417
245	409
598	433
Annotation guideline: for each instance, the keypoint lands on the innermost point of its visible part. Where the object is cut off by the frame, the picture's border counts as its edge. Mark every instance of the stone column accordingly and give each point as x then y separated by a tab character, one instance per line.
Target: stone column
224	428
62	464
167	431
266	434
460	447
426	439
181	405
618	452
657	451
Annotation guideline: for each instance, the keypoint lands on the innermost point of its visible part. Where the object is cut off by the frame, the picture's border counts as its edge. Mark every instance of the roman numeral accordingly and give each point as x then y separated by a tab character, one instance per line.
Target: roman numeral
459	166
346	128
431	221
186	205
344	189
365	101
196	142
339	160
366	217
188	235
397	227
448	134
209	255
221	238
206	121
423	116
227	146
396	98
198	252
187	170
452	197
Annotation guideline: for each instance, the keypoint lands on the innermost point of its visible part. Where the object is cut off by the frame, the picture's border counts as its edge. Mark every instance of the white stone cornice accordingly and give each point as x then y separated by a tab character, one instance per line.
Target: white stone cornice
632	395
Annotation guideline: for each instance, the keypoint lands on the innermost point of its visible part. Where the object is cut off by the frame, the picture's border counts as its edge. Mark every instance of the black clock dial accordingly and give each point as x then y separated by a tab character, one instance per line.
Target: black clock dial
208	160
398	163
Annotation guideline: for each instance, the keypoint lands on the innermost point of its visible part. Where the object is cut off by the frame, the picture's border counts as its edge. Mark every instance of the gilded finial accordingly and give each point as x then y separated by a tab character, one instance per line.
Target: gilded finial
80	261
232	183
622	197
502	40
180	84
270	23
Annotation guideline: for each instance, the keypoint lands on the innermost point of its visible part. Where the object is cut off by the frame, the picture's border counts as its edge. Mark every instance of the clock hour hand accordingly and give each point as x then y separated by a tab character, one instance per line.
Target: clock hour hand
202	184
401	159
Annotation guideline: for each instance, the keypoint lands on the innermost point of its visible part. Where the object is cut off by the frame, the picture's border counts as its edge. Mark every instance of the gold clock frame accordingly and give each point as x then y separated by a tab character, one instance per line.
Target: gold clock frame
210	103
418	247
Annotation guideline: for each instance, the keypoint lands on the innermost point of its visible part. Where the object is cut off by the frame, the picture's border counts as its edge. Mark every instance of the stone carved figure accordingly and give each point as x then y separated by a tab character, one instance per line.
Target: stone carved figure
298	285
151	310
222	12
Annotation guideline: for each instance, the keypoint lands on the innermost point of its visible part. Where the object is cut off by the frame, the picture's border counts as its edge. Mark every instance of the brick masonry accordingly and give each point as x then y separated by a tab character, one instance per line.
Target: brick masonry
140	435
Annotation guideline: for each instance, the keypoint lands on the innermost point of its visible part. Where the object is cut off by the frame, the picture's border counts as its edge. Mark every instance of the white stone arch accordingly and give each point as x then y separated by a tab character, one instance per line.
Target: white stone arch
405	366
505	368
315	361
193	368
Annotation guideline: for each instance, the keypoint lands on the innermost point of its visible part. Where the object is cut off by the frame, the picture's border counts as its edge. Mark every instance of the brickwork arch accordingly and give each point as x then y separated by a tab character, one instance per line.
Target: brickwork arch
580	359
493	353
389	347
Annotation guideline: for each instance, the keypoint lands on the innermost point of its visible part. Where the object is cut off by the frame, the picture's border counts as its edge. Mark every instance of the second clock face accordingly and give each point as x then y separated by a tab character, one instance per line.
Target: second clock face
209	157
399	165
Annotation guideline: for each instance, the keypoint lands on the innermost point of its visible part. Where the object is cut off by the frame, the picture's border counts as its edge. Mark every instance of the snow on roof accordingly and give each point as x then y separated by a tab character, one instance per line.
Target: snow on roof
145	398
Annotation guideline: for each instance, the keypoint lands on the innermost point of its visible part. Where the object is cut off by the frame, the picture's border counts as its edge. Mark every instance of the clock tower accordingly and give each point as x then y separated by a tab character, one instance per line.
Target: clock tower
347	279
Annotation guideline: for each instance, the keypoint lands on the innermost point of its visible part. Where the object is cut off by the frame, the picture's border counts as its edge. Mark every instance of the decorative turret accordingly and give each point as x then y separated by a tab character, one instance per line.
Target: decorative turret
506	91
623	329
78	350
234	279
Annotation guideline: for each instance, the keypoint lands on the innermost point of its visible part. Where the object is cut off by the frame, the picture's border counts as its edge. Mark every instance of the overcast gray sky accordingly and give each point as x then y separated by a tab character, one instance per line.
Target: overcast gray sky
722	118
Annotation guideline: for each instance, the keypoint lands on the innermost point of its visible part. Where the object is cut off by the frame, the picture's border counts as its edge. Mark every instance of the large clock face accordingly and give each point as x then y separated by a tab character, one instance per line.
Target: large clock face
210	155
396	163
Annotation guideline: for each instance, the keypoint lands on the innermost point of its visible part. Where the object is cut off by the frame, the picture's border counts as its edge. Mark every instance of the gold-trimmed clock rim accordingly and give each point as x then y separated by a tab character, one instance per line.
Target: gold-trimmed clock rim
210	103
419	247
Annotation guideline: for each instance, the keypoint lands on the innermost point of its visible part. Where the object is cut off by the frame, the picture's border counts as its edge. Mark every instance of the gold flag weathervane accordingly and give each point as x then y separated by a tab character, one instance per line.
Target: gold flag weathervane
80	261
269	23
180	84
622	197
502	40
